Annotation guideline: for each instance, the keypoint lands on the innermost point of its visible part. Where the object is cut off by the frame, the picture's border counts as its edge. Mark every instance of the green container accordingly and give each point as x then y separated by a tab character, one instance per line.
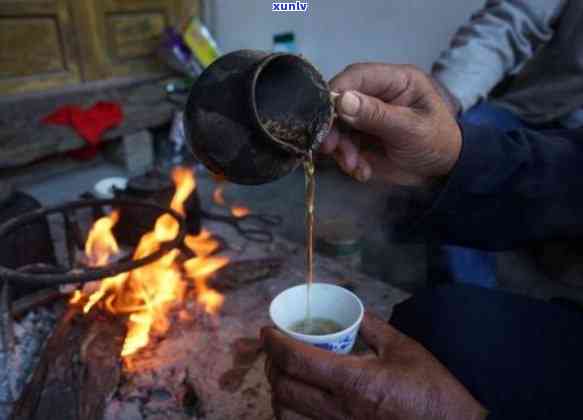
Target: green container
340	239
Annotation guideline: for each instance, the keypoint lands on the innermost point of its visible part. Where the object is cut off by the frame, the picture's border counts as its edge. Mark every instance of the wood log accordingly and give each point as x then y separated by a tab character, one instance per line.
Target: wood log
33	300
78	371
238	274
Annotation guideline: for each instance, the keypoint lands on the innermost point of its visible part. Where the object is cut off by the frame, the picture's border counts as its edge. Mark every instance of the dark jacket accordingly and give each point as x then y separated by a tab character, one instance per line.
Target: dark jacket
508	189
535	47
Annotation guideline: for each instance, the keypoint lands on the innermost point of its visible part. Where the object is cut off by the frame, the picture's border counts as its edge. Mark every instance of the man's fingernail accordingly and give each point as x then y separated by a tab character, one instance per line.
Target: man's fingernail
361	174
349	104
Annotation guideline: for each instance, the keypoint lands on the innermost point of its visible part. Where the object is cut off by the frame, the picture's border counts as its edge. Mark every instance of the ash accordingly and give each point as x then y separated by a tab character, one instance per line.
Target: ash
30	334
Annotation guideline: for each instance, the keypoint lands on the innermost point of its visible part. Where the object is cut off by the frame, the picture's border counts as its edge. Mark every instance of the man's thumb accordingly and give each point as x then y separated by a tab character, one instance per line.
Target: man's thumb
366	113
377	333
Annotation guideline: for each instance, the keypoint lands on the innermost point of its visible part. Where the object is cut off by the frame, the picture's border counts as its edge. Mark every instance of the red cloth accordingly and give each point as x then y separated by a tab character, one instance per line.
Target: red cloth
89	124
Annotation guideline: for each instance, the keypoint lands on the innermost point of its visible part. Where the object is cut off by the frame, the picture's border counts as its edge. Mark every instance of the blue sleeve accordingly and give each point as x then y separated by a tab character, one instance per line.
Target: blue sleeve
510	188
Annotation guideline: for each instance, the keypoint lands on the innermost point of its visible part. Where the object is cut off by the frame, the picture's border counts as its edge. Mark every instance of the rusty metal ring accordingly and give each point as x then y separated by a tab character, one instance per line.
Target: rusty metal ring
90	273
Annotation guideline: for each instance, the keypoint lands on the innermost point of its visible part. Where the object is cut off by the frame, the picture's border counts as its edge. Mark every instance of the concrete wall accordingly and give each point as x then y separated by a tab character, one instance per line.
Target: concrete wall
335	33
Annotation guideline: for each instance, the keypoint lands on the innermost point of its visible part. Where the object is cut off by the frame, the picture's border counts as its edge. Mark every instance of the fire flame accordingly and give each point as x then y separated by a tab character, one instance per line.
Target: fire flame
218	197
76	298
239	211
202	266
185	184
203	244
101	244
147	294
199	269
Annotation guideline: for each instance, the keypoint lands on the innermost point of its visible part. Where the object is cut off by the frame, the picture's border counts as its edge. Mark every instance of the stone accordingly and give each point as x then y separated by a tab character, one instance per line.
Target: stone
24	139
135	152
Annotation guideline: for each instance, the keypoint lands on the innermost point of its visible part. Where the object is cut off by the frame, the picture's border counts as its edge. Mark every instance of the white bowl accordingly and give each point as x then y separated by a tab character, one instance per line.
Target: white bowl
105	188
326	301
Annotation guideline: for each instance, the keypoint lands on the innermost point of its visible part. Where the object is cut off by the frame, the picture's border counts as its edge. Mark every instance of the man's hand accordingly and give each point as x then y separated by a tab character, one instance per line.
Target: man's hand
394	125
403	380
453	104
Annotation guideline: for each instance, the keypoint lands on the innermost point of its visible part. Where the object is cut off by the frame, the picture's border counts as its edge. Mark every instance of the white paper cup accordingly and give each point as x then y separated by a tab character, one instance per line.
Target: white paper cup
326	301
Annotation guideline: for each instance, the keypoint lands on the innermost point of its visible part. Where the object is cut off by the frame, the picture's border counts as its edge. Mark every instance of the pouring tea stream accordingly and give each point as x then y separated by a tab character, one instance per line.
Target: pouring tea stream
252	117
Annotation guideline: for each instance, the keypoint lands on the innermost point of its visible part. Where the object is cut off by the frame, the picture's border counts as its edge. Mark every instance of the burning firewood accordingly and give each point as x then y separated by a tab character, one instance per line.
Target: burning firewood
78	371
41	297
113	321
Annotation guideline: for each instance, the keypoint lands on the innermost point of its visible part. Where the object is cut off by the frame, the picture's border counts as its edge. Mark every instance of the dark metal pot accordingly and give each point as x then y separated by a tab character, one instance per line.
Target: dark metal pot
28	245
156	188
253	116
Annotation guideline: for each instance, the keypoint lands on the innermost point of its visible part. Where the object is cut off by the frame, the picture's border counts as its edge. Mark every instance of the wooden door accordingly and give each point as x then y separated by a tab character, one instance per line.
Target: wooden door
37	45
124	34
